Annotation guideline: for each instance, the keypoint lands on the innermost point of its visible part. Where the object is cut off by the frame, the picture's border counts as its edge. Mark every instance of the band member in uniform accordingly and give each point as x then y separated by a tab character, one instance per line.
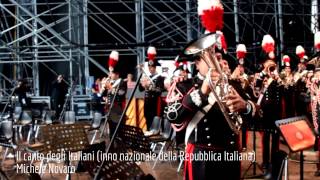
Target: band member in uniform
240	76
315	109
114	91
152	85
287	81
180	87
315	60
207	129
270	102
314	88
302	92
300	52
181	72
209	132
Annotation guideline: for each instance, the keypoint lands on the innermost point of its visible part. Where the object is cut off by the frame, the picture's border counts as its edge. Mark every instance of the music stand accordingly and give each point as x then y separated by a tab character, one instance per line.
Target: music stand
121	170
90	165
66	103
118	168
254	128
298	135
59	138
39	107
117	128
129	137
134	139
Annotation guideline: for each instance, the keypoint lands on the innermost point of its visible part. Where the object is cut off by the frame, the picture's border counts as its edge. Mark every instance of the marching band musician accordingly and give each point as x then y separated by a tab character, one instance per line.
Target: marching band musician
300	72
153	87
300	52
181	86
210	131
182	71
302	92
114	89
239	75
315	109
270	99
313	86
303	80
241	53
287	81
270	103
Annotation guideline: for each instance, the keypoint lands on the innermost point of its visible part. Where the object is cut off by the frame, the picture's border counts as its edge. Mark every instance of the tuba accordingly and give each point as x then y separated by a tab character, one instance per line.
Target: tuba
205	48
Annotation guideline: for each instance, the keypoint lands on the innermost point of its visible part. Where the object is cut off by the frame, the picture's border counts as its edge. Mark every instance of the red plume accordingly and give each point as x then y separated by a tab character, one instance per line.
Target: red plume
241	51
151	53
268	45
113	59
286	60
211	14
317	40
177	64
300	52
223	43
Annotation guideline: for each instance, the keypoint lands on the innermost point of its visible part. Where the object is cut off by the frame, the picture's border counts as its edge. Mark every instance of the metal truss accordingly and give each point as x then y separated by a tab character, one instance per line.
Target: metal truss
290	22
75	37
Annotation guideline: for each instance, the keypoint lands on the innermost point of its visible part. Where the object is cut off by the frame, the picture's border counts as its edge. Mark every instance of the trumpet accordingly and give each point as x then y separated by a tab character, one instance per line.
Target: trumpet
146	77
287	80
269	66
299	75
204	47
105	83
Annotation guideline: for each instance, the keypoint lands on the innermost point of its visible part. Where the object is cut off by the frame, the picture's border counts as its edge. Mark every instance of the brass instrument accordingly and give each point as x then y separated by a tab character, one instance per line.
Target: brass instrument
287	79
269	66
145	76
299	75
105	84
205	48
